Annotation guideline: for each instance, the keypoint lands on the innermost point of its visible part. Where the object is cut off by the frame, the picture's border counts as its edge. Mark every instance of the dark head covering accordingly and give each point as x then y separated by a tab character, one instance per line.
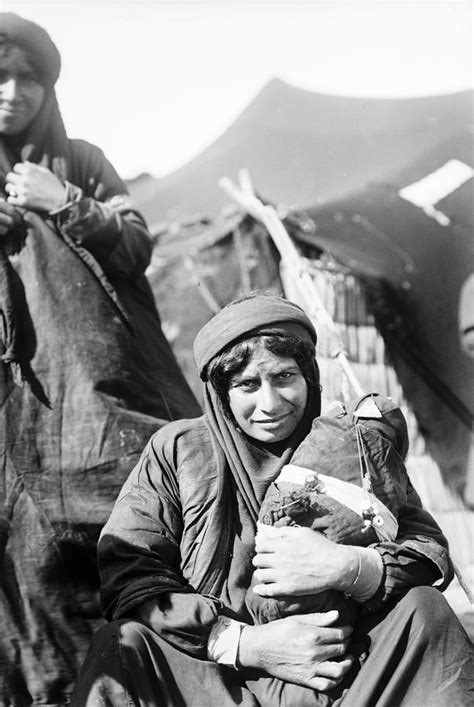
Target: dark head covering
253	465
262	314
36	42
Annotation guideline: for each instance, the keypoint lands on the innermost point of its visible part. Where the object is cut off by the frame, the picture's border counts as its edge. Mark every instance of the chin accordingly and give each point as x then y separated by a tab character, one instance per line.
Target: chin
270	436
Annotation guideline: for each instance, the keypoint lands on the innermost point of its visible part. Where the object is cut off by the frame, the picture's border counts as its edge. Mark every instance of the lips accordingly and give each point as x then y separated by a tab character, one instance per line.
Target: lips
272	420
10	110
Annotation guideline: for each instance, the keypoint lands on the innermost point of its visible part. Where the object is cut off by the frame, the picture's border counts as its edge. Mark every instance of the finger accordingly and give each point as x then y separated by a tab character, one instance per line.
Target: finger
266	543
319	618
13	181
325	620
265	575
21	167
268	590
335	669
6	222
6	210
12	191
264	560
322	684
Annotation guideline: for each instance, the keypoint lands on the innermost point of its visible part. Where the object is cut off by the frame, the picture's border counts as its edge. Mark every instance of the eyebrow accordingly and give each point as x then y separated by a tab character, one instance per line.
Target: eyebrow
282	368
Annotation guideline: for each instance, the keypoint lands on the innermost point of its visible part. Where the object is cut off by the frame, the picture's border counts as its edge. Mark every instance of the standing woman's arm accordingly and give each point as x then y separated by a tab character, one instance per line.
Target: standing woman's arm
95	210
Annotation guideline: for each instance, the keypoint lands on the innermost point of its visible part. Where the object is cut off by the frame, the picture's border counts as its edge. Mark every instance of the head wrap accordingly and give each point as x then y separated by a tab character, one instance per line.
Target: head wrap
262	314
252	465
36	42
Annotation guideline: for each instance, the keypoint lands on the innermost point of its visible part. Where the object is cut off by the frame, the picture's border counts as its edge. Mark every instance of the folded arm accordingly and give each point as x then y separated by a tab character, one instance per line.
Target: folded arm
96	211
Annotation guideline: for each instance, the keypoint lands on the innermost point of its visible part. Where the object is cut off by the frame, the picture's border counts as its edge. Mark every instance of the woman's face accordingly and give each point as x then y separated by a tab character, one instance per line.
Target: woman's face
268	397
21	95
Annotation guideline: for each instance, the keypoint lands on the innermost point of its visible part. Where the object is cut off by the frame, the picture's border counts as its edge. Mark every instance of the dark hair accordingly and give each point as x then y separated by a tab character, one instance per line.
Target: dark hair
231	361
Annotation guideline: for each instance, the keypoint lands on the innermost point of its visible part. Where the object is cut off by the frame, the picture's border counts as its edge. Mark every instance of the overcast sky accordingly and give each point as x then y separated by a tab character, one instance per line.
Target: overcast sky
152	82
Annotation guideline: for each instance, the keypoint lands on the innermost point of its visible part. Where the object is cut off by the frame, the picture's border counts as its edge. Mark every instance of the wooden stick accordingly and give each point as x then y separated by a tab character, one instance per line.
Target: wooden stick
243	265
294	264
203	289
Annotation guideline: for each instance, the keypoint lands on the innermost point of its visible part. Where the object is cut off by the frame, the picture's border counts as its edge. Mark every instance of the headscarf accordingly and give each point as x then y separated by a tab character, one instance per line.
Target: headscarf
253	465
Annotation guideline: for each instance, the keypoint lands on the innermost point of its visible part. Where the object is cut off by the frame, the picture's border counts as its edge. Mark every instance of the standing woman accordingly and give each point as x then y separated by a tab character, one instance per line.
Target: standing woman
86	374
176	557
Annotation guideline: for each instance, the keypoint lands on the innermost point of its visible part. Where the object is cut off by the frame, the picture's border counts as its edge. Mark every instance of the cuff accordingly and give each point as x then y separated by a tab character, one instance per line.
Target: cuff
223	642
72	194
369	575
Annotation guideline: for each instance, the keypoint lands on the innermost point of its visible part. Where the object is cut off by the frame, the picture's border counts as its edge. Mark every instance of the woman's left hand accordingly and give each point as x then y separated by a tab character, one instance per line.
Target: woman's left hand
294	561
34	187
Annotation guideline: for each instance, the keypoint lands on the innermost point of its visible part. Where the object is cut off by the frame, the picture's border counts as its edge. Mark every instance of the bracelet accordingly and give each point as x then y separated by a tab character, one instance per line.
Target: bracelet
357	577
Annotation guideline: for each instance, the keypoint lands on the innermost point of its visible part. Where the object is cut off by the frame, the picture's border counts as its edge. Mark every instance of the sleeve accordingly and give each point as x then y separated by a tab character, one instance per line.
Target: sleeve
99	215
139	558
418	556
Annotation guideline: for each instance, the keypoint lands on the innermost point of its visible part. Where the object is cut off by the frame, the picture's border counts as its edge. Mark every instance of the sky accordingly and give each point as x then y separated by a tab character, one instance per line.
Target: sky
153	82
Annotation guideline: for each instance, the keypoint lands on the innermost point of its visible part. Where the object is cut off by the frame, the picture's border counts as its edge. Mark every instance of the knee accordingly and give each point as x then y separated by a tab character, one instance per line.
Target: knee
427	603
428	611
127	632
121	632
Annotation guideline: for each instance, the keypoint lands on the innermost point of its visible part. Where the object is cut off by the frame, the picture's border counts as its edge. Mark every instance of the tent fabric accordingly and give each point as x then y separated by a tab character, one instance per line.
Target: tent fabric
413	269
95	390
302	148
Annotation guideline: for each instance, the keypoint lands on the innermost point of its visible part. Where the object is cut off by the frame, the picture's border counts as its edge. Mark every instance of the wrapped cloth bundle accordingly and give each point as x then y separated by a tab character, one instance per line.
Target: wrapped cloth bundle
347	479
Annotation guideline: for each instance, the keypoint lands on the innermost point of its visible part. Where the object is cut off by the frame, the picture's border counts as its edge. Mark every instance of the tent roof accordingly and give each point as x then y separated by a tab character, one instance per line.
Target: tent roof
303	147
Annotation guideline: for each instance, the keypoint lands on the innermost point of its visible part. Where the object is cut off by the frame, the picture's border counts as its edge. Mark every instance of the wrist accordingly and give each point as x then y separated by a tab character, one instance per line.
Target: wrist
349	568
248	655
223	642
369	575
58	203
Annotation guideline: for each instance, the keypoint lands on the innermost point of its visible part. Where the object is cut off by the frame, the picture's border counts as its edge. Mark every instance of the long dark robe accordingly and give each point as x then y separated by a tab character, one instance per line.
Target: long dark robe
96	387
86	377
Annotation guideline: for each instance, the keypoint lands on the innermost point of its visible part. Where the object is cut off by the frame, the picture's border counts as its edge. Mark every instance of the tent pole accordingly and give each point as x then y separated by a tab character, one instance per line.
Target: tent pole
294	265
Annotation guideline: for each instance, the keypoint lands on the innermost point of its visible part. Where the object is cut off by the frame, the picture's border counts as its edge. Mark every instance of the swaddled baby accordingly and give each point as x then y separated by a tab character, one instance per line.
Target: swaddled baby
347	479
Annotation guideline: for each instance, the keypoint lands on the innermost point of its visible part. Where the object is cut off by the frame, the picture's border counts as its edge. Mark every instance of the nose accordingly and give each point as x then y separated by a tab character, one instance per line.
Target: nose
268	398
9	90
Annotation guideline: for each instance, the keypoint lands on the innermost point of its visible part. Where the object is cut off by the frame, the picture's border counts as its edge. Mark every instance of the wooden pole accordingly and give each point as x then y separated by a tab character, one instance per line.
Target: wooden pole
294	268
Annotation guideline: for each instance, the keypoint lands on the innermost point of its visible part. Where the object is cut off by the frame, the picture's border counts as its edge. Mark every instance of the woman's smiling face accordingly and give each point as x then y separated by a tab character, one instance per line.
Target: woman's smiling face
268	397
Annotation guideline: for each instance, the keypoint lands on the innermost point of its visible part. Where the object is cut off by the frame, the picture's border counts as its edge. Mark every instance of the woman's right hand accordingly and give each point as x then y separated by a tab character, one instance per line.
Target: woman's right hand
9	217
303	649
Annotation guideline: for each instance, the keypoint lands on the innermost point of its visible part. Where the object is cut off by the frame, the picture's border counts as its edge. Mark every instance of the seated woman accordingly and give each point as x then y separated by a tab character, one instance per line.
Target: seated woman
86	374
177	554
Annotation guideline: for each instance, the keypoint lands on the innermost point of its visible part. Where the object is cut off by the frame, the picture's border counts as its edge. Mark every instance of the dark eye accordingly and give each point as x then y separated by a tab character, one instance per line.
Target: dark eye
247	385
28	77
286	375
3	76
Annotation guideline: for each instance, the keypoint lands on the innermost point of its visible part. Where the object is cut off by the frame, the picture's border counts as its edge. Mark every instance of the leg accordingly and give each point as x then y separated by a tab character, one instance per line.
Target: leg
130	665
418	654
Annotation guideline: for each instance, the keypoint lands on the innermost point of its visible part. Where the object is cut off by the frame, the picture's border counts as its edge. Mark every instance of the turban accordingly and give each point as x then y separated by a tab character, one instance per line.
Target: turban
260	315
36	42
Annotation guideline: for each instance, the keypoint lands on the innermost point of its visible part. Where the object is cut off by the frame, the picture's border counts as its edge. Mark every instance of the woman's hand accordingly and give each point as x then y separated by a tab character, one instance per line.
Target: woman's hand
34	187
293	561
9	217
304	649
